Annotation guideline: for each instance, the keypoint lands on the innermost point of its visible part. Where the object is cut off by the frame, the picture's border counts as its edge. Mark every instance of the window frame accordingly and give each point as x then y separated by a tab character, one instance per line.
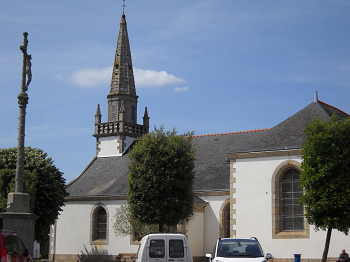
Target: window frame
94	240
225	219
277	229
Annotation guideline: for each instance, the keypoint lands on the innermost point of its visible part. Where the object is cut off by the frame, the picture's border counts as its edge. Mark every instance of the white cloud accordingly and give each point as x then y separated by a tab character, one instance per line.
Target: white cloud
59	77
150	78
181	89
90	78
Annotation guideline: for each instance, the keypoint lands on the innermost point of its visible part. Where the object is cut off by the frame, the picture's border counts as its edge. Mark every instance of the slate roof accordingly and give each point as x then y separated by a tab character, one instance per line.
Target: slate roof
212	164
289	134
107	176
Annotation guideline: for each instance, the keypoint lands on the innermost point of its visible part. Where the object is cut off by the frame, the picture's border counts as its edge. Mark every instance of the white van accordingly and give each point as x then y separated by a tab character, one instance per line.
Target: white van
164	247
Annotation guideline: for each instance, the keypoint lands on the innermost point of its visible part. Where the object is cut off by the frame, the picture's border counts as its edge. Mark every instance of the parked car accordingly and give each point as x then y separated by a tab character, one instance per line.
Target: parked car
164	247
12	248
238	250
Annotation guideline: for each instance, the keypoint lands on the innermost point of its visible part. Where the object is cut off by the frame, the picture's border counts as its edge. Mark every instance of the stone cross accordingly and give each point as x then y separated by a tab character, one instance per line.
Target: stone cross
22	102
124	5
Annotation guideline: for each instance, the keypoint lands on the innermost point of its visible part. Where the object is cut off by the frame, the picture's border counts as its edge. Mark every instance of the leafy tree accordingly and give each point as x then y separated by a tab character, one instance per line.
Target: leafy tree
43	182
124	225
326	176
161	178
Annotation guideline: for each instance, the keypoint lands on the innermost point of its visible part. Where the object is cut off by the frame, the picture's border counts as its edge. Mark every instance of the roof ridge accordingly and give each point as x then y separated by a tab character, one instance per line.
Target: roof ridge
71	182
333	107
219	134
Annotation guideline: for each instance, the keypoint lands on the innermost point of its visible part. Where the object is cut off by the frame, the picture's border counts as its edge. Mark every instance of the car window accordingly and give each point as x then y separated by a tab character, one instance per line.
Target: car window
9	246
21	245
15	244
176	248
239	247
156	248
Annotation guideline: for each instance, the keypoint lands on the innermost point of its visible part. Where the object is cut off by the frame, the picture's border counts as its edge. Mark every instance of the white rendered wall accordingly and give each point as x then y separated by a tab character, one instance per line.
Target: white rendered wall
212	221
73	230
195	234
108	146
254	212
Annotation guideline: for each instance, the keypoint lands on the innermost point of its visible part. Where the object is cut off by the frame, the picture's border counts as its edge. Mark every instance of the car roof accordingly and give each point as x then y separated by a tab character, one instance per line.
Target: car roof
6	232
252	238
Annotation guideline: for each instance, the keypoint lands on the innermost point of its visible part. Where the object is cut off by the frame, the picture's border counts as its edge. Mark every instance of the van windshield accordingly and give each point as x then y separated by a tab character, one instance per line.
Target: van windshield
239	247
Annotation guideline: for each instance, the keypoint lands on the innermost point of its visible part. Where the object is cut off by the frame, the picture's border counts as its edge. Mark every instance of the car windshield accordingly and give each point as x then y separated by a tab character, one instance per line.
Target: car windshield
239	247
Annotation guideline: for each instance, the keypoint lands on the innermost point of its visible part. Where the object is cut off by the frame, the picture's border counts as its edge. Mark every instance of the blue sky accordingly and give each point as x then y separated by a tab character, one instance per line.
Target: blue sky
209	66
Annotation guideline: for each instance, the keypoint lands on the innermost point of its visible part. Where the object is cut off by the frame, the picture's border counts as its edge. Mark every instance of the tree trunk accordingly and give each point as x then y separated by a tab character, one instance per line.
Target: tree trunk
160	228
326	246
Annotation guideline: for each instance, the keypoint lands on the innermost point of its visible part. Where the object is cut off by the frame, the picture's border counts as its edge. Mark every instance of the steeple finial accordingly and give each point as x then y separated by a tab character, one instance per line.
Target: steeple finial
316	97
124	5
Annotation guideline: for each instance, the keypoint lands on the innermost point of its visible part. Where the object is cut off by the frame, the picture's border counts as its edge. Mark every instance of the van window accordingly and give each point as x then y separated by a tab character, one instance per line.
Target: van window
176	248
156	248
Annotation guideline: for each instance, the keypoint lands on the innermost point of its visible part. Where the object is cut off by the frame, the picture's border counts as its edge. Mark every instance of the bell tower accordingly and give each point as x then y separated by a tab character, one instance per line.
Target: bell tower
115	136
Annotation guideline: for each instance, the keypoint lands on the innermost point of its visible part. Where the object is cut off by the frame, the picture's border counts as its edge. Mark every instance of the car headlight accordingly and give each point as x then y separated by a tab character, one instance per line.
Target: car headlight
217	260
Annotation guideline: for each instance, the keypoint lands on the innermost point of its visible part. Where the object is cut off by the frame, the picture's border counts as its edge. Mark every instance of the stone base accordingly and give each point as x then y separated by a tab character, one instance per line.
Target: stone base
23	224
18	203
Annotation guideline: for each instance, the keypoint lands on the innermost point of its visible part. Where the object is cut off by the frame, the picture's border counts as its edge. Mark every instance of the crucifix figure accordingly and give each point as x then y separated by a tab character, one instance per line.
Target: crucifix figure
28	71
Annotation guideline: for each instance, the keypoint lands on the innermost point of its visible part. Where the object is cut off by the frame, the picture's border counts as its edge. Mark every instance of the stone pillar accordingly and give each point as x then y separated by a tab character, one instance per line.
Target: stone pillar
19	219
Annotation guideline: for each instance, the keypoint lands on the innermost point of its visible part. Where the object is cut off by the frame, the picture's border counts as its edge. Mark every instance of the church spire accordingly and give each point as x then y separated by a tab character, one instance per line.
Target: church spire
123	83
123	76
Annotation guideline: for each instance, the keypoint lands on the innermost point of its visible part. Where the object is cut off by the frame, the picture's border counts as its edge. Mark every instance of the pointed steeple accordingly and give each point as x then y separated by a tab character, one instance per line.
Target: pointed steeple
123	76
123	83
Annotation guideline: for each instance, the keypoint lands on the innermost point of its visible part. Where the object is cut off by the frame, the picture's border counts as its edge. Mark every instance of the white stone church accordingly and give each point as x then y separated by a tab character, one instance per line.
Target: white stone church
247	184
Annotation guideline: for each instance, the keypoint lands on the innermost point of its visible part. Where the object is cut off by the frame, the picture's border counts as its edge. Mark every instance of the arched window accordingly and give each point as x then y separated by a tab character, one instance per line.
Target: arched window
292	215
99	225
225	221
226	224
288	219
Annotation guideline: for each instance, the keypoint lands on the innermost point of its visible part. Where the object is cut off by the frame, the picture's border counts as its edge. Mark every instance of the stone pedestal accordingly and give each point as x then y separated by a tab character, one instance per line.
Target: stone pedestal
19	219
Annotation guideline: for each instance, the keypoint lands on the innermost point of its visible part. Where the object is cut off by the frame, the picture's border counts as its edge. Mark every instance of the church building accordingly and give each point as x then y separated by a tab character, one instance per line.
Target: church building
246	184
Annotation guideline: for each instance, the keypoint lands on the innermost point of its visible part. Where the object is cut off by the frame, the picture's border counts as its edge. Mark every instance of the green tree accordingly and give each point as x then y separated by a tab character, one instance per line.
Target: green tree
161	178
43	182
326	176
124	225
